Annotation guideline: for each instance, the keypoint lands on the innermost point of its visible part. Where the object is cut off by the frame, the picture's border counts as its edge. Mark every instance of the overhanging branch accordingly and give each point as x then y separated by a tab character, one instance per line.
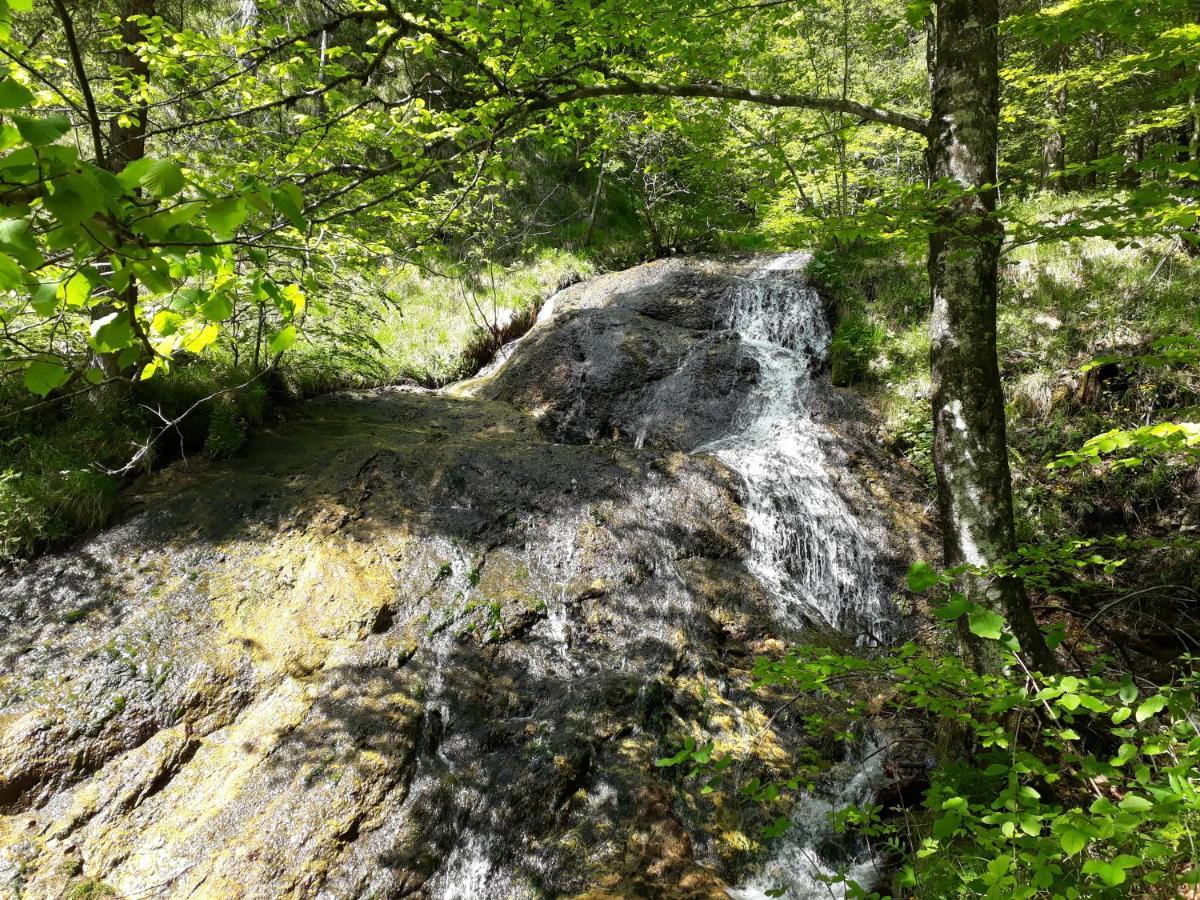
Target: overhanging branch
629	88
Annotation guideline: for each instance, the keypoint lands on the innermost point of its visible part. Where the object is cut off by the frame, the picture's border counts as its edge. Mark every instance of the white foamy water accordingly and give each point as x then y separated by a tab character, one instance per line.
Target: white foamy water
807	548
798	864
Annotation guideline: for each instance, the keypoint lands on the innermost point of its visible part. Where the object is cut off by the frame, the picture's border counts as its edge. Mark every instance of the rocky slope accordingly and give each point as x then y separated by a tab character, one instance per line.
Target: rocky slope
424	644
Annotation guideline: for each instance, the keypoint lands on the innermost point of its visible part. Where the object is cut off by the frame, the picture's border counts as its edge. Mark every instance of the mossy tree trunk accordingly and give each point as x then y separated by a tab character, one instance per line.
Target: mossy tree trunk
970	447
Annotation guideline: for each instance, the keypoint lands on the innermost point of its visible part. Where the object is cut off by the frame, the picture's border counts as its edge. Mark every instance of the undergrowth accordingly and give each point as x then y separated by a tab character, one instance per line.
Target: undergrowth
62	466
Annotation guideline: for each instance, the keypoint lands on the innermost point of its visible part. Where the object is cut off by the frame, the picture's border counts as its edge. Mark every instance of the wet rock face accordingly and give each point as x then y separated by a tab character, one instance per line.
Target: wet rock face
412	644
621	346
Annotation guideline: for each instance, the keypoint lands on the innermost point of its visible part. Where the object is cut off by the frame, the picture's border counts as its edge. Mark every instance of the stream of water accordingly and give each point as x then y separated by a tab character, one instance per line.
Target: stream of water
807	547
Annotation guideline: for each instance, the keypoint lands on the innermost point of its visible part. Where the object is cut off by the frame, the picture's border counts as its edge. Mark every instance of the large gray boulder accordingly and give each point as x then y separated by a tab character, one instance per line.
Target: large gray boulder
418	644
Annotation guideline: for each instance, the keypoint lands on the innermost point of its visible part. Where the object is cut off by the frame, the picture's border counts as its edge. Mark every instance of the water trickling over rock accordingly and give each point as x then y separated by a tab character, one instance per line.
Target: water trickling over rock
429	644
807	545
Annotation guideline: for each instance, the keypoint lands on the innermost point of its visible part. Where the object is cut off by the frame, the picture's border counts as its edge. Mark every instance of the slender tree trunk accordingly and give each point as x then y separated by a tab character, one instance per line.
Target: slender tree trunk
591	222
1095	128
970	448
126	143
1054	143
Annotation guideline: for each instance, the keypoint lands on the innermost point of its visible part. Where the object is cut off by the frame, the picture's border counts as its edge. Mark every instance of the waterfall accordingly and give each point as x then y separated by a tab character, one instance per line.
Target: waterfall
807	548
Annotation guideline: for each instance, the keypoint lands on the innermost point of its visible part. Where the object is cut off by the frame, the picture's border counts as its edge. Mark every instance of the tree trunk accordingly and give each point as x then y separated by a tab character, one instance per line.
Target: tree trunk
1054	142
591	222
126	143
970	448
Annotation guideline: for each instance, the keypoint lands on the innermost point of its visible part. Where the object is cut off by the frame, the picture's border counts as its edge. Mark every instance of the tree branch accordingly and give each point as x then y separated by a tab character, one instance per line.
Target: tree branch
84	85
630	88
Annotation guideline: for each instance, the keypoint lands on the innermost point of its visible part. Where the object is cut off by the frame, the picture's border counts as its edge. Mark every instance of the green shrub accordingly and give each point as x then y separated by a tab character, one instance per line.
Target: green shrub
1057	786
226	429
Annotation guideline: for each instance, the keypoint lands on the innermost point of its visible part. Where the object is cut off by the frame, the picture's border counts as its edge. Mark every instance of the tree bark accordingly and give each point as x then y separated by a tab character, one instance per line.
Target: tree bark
126	143
970	447
1054	142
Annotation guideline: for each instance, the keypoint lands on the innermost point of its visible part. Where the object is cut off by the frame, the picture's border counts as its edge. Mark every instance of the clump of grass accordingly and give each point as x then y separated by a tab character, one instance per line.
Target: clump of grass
437	330
855	350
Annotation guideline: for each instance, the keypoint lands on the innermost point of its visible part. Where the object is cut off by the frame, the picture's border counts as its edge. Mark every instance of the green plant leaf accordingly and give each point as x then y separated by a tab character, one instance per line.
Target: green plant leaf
162	178
921	577
1149	707
225	217
131	176
985	624
1135	803
112	332
12	276
1072	841
289	202
217	307
43	297
42	377
283	339
1107	872
77	289
42	132
14	95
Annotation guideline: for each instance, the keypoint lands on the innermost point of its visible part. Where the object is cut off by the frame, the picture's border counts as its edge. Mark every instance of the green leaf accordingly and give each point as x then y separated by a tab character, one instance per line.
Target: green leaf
288	202
1108	873
162	178
225	217
131	176
75	198
217	307
985	624
1072	840
14	95
112	332
77	289
956	608
921	577
283	340
42	132
1135	803
202	339
916	11
1128	691
1149	707
43	377
1031	825
12	276
43	297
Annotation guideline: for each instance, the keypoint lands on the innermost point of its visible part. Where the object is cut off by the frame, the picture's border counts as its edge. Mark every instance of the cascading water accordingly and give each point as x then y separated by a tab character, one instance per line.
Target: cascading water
807	548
